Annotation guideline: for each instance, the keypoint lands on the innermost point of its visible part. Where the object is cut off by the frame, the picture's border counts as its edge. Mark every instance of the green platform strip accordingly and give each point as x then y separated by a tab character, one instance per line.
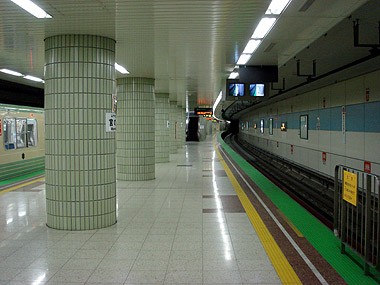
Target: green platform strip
21	178
21	168
319	236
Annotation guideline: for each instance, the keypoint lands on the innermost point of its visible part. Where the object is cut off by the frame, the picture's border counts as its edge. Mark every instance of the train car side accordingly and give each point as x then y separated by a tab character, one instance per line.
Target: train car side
22	140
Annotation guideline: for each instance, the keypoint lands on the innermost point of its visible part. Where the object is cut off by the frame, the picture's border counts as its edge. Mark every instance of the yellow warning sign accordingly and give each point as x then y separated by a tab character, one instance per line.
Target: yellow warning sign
350	187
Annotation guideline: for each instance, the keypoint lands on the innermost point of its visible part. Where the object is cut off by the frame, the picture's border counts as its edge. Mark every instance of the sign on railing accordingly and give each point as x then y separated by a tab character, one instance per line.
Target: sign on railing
356	213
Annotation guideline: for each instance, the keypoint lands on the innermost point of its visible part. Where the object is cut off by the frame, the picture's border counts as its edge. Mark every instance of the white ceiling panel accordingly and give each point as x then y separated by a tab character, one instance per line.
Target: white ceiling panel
188	47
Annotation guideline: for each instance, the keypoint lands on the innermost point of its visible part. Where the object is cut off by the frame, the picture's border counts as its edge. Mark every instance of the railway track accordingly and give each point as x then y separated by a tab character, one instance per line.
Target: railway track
311	190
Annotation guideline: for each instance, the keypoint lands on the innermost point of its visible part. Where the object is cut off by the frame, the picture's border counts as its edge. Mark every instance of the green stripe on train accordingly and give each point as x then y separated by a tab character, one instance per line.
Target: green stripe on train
22	167
320	237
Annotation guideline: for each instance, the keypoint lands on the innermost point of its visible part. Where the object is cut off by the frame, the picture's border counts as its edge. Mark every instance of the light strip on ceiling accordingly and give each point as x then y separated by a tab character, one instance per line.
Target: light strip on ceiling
263	28
121	69
243	59
233	75
11	72
217	101
251	46
277	6
33	78
32	8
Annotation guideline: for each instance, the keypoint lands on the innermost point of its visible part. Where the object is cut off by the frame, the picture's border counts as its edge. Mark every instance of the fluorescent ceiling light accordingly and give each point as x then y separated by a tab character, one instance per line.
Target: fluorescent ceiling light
33	78
121	69
277	6
243	59
263	28
11	72
233	75
217	101
32	8
251	46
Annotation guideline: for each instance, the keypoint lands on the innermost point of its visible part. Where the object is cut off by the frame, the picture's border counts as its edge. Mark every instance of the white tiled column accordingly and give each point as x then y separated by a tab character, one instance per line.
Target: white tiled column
173	127
135	138
162	127
180	128
79	154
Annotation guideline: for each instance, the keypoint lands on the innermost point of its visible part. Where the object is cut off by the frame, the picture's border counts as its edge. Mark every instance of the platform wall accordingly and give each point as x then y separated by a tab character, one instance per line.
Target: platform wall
343	126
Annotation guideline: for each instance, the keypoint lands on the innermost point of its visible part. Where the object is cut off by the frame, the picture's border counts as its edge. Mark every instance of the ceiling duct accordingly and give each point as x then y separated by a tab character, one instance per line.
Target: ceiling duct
306	6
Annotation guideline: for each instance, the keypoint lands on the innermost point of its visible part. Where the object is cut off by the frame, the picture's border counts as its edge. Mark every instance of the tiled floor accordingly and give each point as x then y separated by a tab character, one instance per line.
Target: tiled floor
184	227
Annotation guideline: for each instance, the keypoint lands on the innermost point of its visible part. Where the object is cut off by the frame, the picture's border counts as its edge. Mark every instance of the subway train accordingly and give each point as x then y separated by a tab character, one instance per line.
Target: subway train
22	136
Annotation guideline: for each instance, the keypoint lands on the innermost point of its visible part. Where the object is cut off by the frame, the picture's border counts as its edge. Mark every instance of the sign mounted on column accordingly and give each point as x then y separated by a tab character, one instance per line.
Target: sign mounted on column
110	122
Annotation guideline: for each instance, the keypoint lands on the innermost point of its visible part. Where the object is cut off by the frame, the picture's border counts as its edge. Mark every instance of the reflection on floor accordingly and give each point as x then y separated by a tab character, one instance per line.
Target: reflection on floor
185	227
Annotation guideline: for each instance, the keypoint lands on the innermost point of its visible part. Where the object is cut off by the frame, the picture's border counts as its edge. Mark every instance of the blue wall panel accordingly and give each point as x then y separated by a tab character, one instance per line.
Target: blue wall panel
355	118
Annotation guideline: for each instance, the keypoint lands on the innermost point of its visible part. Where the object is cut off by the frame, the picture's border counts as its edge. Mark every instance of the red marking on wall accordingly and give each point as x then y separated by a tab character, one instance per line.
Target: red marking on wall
367	166
291	149
1	128
324	157
367	94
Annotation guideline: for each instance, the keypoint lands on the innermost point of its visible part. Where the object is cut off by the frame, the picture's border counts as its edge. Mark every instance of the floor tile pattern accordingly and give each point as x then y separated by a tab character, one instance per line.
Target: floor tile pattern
164	234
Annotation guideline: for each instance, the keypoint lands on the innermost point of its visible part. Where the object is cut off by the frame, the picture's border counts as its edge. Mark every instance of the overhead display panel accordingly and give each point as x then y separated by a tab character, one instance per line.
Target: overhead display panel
258	73
237	90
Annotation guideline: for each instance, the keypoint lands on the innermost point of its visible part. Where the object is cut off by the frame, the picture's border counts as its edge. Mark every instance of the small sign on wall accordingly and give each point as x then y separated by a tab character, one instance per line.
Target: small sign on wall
367	94
1	127
350	187
324	157
291	149
367	166
110	122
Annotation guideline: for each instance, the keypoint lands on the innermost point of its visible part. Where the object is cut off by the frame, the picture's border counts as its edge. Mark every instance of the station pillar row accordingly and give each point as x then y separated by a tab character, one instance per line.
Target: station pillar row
162	110
135	136
79	153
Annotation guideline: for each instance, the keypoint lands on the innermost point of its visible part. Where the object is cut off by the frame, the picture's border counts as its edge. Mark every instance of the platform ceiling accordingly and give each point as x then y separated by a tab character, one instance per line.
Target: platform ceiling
188	47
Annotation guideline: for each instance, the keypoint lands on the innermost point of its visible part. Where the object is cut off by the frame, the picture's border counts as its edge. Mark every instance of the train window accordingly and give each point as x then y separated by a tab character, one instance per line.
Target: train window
32	132
9	127
19	133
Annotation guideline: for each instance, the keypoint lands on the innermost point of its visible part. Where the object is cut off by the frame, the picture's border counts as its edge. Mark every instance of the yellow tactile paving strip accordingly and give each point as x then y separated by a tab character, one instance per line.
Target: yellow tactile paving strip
18	186
284	270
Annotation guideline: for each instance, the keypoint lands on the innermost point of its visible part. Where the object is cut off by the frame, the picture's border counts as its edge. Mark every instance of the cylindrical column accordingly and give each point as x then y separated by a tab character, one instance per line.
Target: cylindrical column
180	128
80	153
162	127
173	127
135	138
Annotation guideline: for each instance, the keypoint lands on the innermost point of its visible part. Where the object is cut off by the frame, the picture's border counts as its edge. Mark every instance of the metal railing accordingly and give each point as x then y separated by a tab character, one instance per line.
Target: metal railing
356	213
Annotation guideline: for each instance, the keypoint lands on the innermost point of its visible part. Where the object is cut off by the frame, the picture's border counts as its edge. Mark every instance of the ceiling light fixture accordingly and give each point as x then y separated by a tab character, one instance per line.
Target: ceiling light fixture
11	72
251	46
121	69
263	28
217	101
276	7
32	8
233	75
33	78
243	59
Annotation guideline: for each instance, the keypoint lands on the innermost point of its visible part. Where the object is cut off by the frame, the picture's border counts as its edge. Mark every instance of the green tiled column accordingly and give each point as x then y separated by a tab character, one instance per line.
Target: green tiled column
173	118
162	127
135	137
80	154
